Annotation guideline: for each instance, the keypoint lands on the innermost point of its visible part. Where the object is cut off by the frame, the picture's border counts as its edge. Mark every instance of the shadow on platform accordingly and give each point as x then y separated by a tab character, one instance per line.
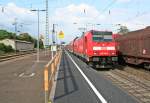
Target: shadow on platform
66	80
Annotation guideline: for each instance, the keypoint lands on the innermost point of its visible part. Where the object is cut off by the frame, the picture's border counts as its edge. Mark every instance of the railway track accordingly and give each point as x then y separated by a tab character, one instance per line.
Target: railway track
13	56
131	83
139	72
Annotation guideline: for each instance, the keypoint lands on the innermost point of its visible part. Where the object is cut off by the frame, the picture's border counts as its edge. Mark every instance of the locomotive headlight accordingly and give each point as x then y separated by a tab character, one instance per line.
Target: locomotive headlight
113	53
95	53
97	48
111	48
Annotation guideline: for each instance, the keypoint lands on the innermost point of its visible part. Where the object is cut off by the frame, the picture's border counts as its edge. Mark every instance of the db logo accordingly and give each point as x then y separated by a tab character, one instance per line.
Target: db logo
144	51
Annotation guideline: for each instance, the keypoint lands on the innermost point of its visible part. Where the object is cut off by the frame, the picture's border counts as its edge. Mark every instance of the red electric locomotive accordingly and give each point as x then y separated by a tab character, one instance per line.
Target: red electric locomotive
97	48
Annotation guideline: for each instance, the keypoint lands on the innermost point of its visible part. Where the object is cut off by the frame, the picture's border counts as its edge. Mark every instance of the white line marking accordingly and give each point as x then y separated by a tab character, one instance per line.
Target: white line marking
21	74
26	76
31	75
88	81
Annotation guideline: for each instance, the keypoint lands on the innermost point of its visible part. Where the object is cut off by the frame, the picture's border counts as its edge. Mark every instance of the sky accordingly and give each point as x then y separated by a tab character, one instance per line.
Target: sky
72	15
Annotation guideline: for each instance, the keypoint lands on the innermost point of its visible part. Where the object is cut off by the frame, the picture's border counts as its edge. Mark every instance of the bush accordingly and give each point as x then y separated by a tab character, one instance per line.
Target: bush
2	52
5	48
2	47
8	49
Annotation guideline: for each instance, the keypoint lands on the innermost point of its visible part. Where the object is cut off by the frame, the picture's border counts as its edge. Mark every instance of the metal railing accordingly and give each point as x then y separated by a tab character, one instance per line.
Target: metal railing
49	75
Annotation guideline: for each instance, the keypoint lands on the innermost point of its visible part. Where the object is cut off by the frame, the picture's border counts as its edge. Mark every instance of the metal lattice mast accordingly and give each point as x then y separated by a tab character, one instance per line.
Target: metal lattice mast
47	25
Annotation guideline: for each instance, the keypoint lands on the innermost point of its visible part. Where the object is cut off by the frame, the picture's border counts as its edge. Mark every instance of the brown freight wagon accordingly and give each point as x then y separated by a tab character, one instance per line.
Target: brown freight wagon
134	47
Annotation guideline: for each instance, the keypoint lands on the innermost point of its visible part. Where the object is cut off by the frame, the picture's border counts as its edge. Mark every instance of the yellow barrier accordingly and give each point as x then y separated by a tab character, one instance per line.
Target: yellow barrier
49	75
46	79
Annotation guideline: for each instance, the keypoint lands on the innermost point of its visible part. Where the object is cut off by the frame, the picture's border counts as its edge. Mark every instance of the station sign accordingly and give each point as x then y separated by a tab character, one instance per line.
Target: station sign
53	48
61	34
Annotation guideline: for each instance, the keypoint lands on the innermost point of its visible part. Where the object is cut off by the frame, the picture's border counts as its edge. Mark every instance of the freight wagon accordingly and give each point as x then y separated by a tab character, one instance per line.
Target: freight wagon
96	48
134	47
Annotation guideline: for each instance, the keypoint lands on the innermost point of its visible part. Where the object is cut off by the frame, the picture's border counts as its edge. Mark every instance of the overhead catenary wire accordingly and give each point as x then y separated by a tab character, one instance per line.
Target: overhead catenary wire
106	8
139	13
137	16
8	15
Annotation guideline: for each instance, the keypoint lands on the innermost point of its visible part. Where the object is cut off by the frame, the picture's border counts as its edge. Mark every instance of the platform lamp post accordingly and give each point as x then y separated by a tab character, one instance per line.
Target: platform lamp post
2	8
82	29
91	24
86	26
117	25
97	24
38	45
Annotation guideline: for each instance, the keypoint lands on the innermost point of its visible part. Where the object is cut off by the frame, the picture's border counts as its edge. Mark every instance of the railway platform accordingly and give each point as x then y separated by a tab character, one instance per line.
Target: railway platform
78	83
22	79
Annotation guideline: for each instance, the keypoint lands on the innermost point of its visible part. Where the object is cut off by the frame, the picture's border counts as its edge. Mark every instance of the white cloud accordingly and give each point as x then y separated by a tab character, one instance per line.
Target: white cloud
80	14
76	13
138	22
11	11
66	16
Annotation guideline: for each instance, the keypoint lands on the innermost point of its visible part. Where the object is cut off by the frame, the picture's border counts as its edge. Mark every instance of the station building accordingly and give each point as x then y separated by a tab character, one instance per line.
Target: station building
18	45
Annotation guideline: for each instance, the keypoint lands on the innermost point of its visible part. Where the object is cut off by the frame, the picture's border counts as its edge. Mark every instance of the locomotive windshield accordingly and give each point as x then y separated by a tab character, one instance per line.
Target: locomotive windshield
99	36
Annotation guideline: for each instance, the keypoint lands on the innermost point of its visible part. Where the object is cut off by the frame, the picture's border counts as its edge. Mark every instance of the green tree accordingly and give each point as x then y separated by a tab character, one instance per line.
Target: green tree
123	30
41	45
6	35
